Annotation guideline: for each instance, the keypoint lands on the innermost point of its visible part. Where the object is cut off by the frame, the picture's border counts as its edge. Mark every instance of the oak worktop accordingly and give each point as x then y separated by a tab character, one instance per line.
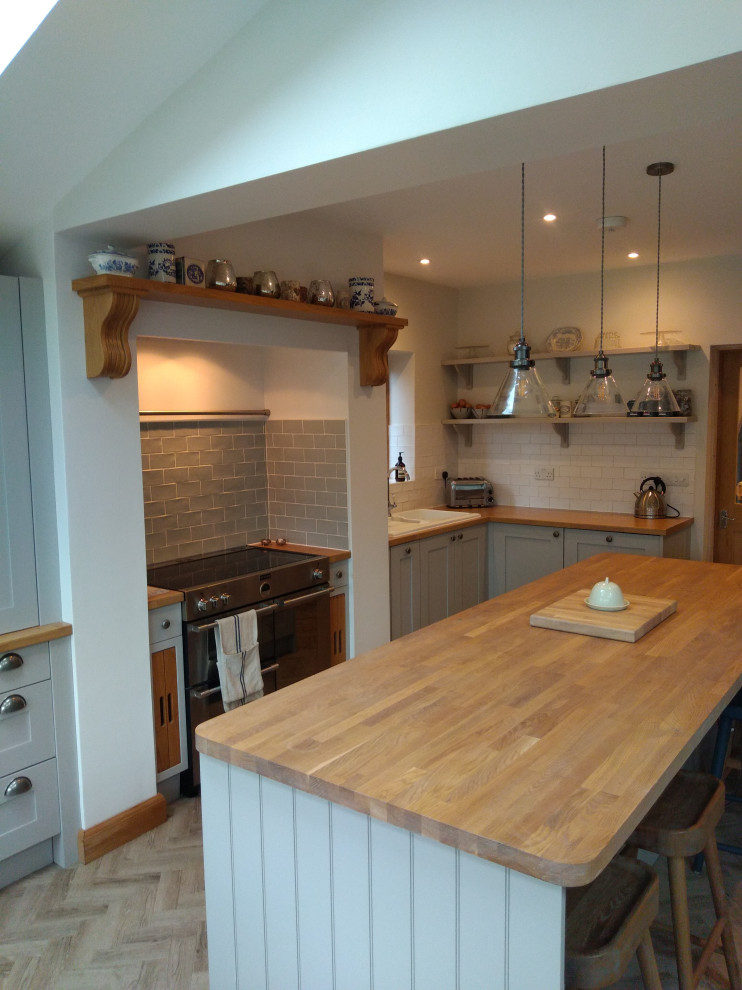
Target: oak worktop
608	522
537	749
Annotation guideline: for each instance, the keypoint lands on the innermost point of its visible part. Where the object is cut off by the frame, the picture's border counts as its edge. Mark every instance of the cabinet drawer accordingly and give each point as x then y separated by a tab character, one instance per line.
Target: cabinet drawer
164	623
33	666
26	727
579	544
31	814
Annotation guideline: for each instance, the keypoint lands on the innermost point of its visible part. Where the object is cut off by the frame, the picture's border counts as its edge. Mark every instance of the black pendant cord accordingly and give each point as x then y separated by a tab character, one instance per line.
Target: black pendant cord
659	239
602	256
522	247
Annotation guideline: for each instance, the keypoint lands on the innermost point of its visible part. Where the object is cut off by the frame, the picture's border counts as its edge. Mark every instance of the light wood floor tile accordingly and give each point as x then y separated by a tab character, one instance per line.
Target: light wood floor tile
135	918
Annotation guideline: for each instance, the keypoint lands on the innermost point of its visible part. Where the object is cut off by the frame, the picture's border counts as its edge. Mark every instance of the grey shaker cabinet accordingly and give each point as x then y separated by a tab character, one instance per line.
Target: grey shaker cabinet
435	577
18	595
523	553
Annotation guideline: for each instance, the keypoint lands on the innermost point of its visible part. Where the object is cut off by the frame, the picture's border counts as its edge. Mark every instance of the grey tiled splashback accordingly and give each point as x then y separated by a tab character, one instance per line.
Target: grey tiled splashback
209	486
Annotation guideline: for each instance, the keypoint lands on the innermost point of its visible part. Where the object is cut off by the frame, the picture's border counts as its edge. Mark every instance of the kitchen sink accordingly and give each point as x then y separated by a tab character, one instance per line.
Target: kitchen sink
414	520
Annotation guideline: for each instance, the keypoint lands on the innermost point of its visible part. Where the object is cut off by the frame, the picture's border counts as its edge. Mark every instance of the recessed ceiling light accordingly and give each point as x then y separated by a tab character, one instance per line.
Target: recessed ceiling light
633	254
550	217
425	261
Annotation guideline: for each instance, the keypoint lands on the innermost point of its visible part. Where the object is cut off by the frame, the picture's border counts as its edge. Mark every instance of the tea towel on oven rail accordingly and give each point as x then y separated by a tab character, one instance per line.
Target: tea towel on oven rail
238	659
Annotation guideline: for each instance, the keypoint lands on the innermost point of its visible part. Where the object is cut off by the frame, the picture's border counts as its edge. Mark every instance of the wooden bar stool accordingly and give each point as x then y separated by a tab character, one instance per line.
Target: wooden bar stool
732	713
607	922
681	824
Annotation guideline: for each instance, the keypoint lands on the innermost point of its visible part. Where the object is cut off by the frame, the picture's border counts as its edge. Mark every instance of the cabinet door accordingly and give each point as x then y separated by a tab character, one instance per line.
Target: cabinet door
18	598
165	708
470	568
525	553
579	544
436	577
337	629
404	589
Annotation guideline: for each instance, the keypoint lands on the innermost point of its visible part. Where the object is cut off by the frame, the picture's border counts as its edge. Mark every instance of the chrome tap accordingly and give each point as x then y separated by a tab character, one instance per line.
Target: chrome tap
391	504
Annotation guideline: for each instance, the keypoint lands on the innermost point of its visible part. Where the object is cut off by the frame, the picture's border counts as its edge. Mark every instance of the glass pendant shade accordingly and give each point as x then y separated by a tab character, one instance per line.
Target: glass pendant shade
522	393
655	397
601	395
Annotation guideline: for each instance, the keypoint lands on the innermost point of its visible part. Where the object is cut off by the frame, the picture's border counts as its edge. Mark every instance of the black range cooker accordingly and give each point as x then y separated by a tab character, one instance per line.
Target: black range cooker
290	593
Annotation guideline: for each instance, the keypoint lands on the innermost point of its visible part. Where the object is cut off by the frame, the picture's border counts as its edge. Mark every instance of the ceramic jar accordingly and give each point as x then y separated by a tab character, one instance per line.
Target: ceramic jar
321	293
290	290
161	261
361	293
109	261
220	275
266	284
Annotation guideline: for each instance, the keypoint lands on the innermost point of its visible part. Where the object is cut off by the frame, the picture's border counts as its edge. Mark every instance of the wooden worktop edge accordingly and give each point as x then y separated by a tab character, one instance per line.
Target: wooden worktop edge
34	634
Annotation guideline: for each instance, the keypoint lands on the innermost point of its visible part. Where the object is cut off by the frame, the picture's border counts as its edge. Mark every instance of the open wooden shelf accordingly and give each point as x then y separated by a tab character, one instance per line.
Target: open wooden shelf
563	359
111	302
562	426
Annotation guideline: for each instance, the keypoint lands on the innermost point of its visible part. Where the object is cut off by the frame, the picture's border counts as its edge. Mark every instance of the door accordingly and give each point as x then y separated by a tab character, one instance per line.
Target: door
728	481
470	568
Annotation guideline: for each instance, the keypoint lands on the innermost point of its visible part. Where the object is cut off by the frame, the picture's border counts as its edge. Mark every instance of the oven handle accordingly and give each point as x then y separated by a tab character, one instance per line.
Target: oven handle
205	626
209	692
305	598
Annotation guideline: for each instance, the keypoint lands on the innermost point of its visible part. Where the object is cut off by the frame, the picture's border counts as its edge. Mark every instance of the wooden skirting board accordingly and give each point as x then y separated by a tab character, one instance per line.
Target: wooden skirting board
93	842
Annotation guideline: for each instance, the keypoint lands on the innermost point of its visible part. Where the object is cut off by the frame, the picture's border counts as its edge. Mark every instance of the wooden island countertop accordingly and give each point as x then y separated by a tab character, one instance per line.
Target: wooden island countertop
536	749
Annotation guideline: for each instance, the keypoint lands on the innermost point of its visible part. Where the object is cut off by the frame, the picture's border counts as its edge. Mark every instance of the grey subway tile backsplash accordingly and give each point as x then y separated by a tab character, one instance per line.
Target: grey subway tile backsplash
210	486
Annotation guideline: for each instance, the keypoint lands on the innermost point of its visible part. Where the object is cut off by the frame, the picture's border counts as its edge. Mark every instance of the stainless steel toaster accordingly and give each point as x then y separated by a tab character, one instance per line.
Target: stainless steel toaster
469	493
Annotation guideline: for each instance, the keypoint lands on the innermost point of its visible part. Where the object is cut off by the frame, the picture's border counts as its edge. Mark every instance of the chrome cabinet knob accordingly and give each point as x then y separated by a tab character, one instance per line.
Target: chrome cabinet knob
12	704
165	623
609	539
10	661
19	785
408	549
556	534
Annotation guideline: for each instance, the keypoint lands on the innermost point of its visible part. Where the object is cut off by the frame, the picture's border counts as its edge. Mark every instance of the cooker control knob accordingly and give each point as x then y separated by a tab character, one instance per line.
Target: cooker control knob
202	605
317	574
224	597
214	601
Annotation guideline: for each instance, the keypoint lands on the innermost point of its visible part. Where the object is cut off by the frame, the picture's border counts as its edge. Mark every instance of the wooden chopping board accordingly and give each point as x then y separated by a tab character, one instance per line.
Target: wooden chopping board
571	614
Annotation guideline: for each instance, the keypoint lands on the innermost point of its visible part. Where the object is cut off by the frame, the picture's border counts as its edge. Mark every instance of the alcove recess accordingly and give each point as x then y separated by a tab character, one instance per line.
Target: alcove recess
111	302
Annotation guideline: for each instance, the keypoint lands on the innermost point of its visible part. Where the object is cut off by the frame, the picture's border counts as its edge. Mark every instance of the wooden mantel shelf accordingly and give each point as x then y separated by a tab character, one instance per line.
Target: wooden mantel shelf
110	303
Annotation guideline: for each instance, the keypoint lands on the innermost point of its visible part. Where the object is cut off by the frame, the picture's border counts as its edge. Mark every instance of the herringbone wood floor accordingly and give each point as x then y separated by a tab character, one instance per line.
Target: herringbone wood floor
135	918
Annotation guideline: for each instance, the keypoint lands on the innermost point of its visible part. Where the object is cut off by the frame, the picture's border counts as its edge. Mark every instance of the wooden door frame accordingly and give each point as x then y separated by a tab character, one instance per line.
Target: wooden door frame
712	434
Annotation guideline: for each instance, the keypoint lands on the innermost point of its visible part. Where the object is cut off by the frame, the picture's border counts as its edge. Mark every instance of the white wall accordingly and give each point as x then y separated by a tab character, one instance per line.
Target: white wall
699	299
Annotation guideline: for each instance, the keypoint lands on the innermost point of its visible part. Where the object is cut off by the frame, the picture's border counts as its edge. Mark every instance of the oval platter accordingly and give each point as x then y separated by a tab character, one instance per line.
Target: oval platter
564	339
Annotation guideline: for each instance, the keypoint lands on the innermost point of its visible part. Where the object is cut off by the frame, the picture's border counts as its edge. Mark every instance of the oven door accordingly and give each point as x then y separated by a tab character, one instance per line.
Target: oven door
301	636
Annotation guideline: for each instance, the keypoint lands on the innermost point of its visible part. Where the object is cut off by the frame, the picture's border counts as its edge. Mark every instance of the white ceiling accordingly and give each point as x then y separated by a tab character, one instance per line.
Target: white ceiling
469	227
84	96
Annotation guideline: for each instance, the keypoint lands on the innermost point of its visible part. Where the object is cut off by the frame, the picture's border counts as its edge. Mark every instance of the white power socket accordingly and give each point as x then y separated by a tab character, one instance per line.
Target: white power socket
677	480
544	474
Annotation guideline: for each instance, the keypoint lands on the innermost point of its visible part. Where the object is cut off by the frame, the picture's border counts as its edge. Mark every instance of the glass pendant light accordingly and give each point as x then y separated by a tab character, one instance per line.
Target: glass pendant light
522	392
601	395
655	397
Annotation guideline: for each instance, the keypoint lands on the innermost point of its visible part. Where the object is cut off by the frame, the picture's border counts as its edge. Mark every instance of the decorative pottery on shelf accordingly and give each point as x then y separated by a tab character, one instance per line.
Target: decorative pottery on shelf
383	307
321	292
265	283
361	293
220	275
161	262
109	261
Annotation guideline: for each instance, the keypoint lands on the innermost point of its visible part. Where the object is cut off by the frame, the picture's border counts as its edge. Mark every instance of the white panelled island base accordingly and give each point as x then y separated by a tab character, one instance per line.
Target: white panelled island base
304	893
409	820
